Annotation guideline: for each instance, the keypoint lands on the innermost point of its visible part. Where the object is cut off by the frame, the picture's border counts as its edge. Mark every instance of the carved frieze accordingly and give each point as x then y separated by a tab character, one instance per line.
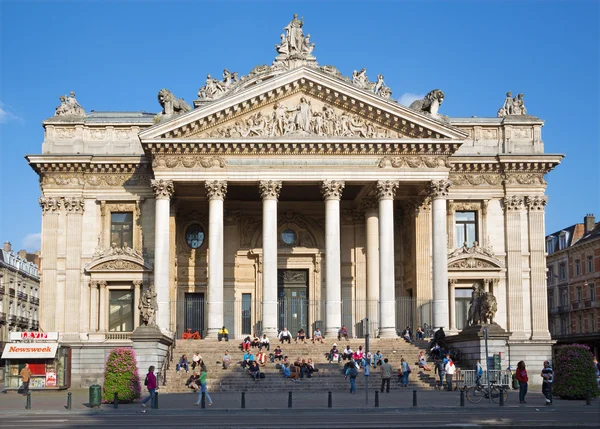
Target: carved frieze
118	264
117	251
63	179
473	250
74	204
216	189
386	189
332	189
413	161
50	204
439	188
513	203
269	189
525	179
163	189
476	179
95	179
65	133
536	203
188	161
471	263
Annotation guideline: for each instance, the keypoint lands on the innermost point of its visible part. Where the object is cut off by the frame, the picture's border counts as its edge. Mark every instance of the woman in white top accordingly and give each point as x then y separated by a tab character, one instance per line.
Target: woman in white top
264	342
195	360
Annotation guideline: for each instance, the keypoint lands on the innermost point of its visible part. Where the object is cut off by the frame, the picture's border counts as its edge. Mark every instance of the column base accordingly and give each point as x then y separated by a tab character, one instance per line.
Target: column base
329	333
212	333
388	333
270	332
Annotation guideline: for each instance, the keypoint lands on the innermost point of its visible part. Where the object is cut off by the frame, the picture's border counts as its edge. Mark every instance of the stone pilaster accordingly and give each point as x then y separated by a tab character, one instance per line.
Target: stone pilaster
332	193
371	208
50	214
74	207
269	192
386	192
137	286
422	212
102	322
450	225
163	191
513	206
94	305
537	262
452	292
216	191
439	193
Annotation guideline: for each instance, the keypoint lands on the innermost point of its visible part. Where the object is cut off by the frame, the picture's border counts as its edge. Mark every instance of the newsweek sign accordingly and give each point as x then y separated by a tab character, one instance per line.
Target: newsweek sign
30	351
44	336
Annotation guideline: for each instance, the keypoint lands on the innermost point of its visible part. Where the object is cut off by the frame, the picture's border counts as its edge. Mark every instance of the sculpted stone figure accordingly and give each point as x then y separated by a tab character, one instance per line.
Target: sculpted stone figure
69	106
430	103
483	307
148	306
294	36
171	105
512	106
359	78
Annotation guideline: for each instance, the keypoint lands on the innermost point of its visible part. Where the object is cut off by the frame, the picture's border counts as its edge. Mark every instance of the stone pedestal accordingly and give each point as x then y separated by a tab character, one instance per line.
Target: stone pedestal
471	343
150	346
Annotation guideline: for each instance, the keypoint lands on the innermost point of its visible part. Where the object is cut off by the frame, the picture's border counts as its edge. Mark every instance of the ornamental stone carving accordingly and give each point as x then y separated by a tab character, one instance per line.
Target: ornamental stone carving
537	202
386	189
216	189
118	179
525	179
476	179
76	179
413	161
294	45
215	89
148	306
361	80
471	263
332	189
513	106
172	106
188	161
513	203
369	203
483	307
118	264
439	188
473	250
269	189
430	103
49	204
163	189
69	106
74	204
117	251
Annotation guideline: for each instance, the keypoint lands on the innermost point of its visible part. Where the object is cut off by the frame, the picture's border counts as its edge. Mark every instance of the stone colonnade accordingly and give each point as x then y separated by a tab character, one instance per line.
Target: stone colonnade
380	254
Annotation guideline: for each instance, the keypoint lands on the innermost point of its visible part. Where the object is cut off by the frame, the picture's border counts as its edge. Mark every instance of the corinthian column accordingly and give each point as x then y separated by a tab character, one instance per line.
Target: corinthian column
163	191
537	262
372	238
269	192
386	191
439	192
74	207
513	206
332	193
216	191
48	288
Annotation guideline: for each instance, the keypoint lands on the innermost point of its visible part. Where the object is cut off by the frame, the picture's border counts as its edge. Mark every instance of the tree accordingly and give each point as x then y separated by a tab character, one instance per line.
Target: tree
574	372
121	376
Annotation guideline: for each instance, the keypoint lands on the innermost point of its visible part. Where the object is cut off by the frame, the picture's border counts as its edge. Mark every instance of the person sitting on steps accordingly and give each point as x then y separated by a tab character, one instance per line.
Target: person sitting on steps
277	354
407	334
347	353
287	373
254	370
343	333
318	336
195	358
301	336
422	361
223	334
183	364
246	344
247	359
226	360
193	382
255	342
334	354
264	342
420	334
261	358
377	358
285	335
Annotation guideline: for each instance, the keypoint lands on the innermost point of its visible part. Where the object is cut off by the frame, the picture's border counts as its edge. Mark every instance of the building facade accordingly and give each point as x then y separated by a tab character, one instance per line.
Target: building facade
293	196
574	284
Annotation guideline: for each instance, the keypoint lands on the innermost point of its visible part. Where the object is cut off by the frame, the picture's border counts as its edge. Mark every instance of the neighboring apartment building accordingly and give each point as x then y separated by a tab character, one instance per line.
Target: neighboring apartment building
19	292
573	279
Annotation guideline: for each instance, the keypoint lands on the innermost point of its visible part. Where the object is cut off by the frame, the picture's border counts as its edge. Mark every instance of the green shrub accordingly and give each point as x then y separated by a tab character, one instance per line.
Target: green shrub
121	376
574	372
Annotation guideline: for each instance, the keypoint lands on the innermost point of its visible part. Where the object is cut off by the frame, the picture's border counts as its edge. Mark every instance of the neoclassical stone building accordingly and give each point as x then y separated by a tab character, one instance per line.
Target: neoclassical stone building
293	196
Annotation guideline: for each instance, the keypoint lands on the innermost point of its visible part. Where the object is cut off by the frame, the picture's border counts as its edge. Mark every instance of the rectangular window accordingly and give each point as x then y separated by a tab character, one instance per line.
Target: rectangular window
120	318
562	271
592	323
549	247
577	267
465	228
551	274
562	242
121	229
550	301
579	324
461	305
563	297
592	292
578	294
590	264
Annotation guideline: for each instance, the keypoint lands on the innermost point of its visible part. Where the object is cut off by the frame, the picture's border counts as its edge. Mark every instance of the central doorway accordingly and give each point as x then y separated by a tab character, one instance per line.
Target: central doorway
194	313
292	302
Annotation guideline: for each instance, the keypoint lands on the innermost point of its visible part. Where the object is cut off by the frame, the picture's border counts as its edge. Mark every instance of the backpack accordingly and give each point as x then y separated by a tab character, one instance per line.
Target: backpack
408	371
146	380
352	372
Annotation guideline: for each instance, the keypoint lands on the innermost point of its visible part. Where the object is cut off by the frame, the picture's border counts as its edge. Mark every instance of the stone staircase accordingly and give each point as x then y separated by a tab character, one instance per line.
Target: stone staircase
329	377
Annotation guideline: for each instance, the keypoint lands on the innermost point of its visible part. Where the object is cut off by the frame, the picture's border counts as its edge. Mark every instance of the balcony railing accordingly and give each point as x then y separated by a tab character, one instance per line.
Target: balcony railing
2	317
12	318
22	295
118	336
35	300
11	291
35	326
2	290
575	305
22	321
563	308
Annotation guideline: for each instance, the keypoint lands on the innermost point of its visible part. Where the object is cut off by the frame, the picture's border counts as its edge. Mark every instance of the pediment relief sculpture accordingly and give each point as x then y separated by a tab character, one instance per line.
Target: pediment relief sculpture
119	259
476	249
474	257
472	263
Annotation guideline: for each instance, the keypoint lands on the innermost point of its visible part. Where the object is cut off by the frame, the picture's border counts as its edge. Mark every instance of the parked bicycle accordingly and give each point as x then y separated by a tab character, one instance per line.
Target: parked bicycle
476	393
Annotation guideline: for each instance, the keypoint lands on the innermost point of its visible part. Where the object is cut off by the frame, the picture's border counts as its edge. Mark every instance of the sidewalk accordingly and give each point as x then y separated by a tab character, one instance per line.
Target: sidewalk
255	401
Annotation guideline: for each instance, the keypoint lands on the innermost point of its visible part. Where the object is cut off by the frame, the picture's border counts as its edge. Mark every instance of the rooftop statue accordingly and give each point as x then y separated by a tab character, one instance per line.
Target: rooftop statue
171	105
430	103
69	106
513	106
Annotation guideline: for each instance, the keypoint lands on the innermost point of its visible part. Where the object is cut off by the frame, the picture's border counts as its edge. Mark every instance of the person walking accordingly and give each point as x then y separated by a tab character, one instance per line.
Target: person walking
203	389
548	376
478	372
386	375
450	370
25	377
352	373
150	383
405	373
523	380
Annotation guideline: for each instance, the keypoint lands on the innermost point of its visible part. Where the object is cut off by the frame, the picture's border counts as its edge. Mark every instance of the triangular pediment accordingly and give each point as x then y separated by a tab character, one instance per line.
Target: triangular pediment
304	102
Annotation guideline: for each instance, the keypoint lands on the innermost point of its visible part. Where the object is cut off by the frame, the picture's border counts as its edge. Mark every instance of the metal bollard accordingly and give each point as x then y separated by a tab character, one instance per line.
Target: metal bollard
329	401
588	397
116	400
203	400
243	399
156	400
376	399
289	399
501	397
414	398
462	398
69	401
28	401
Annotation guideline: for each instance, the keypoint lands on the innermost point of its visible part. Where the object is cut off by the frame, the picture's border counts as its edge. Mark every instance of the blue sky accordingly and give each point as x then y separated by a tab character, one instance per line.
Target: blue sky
118	55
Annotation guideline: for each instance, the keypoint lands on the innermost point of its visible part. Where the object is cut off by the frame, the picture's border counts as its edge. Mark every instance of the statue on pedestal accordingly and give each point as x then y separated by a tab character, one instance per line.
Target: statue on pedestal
483	307
148	306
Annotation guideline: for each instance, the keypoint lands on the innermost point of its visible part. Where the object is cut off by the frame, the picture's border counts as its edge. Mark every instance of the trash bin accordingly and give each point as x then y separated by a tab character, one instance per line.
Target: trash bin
95	395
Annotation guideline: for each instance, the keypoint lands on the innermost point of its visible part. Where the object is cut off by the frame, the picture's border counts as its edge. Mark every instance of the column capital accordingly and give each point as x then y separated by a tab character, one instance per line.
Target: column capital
269	189
138	283
439	188
368	203
49	204
536	202
452	281
163	188
386	189
332	189
98	283
512	203
216	189
74	204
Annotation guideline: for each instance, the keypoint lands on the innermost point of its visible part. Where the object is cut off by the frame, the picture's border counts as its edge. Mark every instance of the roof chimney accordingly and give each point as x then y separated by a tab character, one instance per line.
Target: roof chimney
589	222
7	246
22	254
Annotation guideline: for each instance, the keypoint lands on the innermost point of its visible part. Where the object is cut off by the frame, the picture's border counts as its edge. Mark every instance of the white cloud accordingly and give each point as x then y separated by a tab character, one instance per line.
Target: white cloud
32	242
7	116
408	97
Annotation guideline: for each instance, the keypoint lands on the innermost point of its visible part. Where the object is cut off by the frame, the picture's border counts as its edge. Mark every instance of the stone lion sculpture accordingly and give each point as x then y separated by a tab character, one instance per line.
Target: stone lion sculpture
483	307
171	105
430	103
